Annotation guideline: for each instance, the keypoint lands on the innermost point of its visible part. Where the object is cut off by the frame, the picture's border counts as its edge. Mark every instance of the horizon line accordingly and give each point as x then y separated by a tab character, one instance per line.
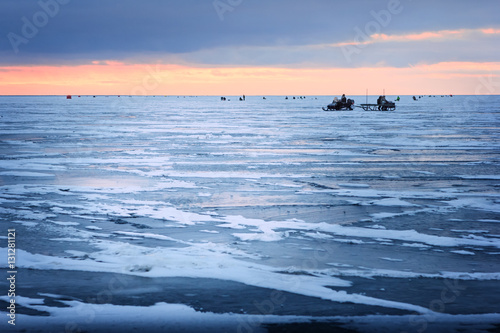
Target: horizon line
232	95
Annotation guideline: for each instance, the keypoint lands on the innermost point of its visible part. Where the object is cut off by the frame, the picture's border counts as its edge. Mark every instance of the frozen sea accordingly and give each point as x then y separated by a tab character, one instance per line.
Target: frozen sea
189	214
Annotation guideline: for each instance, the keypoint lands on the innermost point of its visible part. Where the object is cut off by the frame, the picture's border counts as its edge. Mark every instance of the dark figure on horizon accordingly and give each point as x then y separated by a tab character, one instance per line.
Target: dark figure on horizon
381	101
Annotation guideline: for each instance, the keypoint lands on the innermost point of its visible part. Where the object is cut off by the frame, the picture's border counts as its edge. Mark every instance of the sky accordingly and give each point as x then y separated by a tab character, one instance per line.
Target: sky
252	47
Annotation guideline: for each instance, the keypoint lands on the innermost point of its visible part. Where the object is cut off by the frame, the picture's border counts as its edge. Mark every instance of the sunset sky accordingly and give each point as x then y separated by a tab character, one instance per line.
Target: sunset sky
252	47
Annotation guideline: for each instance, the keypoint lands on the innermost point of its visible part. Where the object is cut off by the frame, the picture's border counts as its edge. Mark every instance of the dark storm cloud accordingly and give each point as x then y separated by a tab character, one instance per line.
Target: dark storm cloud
128	26
79	30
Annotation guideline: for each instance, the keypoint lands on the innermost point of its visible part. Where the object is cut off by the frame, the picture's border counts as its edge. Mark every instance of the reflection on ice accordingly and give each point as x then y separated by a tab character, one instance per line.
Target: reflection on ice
98	182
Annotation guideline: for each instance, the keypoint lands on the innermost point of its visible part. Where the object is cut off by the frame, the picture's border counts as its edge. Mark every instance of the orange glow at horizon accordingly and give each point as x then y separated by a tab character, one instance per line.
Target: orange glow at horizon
116	78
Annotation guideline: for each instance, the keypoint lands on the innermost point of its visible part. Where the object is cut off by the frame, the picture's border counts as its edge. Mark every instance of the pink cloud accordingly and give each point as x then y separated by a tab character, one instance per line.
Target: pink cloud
490	31
422	36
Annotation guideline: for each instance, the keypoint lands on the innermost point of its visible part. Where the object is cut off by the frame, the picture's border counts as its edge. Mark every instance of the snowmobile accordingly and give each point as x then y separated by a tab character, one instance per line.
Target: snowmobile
338	105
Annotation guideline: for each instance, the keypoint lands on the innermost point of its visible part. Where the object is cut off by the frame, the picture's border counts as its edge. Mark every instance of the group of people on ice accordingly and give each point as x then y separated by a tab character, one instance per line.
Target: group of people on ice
384	104
342	103
347	104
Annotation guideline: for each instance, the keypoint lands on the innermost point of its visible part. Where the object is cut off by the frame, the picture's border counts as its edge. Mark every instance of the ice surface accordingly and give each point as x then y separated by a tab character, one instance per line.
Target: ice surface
181	318
25	174
372	221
